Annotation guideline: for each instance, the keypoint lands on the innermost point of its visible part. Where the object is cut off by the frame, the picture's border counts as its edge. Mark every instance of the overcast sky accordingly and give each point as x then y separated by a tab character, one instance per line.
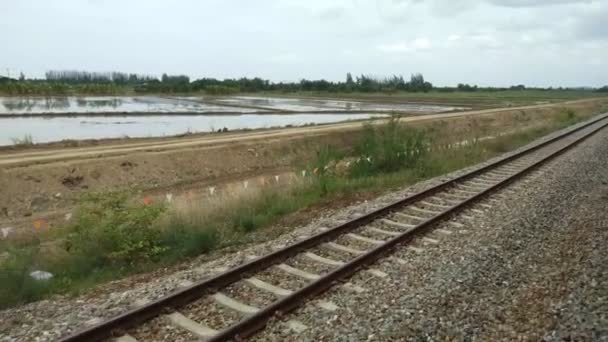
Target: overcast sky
486	42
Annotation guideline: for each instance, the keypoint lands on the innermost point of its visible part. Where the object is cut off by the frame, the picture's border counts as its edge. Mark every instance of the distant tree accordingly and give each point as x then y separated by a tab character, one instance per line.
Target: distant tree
466	87
349	79
21	76
603	89
417	83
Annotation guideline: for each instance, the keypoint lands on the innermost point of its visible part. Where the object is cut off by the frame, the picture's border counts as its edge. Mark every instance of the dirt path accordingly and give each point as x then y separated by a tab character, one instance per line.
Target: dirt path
55	154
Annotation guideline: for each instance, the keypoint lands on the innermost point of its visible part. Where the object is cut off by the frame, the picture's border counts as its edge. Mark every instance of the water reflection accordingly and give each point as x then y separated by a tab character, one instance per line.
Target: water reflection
108	104
99	102
29	104
81	127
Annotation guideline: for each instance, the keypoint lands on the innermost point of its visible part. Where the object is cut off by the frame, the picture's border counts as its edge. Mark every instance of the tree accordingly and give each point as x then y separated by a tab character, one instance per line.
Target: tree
21	76
349	79
603	89
417	83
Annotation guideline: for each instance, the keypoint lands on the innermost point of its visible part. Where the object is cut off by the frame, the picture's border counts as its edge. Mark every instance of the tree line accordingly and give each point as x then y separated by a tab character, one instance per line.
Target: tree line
80	77
64	82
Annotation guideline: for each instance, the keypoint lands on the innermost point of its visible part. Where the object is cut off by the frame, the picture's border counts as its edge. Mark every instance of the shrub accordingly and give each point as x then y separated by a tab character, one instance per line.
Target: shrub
111	230
17	284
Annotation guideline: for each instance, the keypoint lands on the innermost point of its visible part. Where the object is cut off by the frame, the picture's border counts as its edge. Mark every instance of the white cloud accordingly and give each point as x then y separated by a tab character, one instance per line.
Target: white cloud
417	44
421	44
454	37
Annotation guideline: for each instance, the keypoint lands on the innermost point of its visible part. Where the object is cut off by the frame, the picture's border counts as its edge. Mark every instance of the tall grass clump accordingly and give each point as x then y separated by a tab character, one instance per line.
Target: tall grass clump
26	140
389	148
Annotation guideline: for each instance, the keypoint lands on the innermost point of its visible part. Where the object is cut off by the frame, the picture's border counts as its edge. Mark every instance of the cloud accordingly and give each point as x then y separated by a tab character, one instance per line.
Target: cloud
418	44
593	24
487	41
536	3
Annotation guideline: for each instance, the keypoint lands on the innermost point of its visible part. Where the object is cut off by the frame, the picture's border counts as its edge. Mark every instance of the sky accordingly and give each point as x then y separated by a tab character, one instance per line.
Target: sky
484	42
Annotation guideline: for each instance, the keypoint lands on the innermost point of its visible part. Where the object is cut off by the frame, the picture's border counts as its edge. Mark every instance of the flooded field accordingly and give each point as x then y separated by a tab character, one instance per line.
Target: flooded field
329	105
72	105
109	104
48	119
82	127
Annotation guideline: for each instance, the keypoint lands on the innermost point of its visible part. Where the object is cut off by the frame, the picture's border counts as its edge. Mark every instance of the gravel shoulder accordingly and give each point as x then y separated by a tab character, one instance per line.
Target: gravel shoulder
519	256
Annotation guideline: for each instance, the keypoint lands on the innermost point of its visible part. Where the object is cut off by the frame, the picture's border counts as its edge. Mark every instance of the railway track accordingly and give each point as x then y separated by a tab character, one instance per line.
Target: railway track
238	302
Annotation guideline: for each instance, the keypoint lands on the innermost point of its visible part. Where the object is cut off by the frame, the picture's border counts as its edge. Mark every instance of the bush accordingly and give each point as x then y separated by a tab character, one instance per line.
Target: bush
17	285
111	230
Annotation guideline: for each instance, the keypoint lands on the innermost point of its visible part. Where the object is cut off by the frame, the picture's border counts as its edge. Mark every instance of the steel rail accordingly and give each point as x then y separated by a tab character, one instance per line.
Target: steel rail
256	321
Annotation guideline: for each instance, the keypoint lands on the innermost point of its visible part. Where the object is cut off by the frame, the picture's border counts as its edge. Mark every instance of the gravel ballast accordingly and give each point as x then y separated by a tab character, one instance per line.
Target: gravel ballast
533	267
461	287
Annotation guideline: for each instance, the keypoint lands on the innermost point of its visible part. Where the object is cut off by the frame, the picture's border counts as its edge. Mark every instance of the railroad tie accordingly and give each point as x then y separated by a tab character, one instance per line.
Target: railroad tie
296	326
457	196
434	204
353	287
377	273
124	338
186	323
465	191
341	248
262	285
446	200
234	304
323	260
416	249
426	211
468	185
456	224
382	231
444	231
481	184
409	216
406	226
297	272
429	240
364	239
325	305
399	260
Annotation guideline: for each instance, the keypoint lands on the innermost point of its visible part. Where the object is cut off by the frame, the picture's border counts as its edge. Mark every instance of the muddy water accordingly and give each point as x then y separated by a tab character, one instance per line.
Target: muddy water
82	127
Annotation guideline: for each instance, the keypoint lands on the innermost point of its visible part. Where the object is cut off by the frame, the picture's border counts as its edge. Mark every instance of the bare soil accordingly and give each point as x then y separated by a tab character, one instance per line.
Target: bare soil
45	182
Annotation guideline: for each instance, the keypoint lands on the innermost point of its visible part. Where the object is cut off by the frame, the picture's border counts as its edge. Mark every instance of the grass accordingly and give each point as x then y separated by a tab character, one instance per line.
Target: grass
112	236
26	140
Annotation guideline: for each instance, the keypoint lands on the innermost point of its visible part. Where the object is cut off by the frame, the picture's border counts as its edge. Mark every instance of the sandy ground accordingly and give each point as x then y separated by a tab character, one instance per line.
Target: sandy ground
39	186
